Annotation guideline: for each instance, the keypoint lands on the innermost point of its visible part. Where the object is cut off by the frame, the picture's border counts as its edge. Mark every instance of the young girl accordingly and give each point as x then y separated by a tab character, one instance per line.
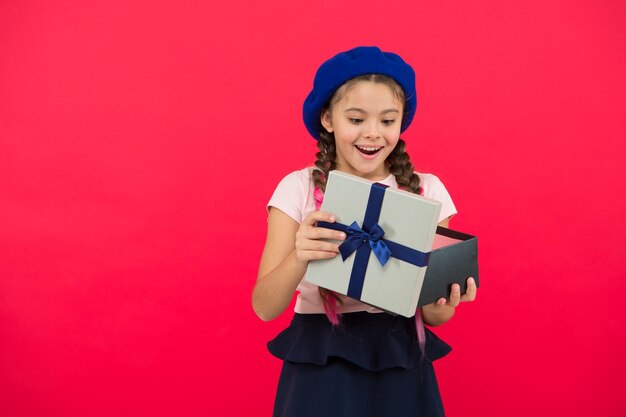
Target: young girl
342	357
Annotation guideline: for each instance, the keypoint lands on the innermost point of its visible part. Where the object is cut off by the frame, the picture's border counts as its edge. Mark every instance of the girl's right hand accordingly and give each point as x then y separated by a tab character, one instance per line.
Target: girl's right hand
309	243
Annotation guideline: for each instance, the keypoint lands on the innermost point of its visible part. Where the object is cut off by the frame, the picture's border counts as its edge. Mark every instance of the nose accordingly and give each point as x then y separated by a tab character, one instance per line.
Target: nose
372	130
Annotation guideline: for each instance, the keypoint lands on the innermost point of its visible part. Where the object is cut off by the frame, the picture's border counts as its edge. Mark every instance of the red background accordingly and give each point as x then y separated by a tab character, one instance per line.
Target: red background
140	141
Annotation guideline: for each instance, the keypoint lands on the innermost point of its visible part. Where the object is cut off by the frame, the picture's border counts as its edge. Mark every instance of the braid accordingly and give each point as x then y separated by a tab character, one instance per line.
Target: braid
401	167
325	159
324	164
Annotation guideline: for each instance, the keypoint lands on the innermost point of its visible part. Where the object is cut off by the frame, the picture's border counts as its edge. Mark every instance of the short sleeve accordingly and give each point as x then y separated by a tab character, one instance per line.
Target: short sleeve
434	189
291	195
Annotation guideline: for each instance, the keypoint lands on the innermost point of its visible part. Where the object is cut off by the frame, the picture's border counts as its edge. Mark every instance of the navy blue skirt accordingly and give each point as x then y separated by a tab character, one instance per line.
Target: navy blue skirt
369	365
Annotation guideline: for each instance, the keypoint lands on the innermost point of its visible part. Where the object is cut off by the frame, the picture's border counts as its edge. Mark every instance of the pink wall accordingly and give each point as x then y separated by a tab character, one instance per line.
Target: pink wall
139	142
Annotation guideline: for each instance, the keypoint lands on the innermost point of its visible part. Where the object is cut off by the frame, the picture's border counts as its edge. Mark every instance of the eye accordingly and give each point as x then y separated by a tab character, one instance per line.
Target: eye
388	122
355	121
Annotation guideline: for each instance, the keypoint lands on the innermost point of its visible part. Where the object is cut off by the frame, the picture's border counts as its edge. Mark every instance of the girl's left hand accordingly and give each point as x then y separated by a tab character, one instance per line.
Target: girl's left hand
455	294
442	310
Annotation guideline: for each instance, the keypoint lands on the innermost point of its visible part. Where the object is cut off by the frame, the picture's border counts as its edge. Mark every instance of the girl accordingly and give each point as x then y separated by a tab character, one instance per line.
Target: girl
342	357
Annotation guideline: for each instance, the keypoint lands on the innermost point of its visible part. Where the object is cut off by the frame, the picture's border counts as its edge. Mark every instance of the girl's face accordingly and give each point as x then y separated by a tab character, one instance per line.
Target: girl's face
366	122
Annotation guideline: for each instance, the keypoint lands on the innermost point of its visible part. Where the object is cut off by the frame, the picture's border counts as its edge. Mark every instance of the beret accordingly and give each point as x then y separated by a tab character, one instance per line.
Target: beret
344	66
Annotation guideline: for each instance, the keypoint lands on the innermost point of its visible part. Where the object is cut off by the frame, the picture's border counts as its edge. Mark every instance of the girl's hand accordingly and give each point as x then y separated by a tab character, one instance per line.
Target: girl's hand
309	245
442	310
455	295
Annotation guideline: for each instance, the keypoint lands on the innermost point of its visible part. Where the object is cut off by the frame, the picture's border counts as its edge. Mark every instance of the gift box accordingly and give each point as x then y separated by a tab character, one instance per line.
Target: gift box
454	258
387	257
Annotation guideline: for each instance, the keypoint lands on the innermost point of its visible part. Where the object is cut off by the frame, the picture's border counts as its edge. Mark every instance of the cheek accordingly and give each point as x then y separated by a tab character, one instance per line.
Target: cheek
345	144
346	134
393	142
393	138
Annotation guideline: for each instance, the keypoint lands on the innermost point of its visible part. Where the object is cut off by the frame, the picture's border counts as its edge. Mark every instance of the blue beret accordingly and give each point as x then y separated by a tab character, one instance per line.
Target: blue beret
344	66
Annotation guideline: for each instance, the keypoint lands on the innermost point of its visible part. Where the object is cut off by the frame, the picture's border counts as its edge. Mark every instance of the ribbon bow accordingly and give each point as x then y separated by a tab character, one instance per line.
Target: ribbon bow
357	237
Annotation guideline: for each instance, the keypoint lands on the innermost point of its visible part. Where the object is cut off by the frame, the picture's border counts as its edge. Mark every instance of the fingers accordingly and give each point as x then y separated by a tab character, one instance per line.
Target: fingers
308	230
455	295
470	293
311	255
318	216
312	232
307	244
310	240
308	249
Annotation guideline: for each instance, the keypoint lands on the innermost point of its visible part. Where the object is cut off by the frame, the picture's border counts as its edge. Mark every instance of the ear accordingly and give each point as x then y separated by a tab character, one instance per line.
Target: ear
326	122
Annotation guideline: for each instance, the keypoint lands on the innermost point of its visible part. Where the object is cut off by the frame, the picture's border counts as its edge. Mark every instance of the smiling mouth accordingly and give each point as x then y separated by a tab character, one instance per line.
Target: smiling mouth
369	150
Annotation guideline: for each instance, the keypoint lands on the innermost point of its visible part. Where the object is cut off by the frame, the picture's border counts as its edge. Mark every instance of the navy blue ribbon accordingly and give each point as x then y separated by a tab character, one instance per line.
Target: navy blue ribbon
371	233
355	237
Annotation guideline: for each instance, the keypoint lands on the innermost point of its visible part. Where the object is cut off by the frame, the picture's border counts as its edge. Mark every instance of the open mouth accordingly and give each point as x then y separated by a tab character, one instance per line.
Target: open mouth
369	150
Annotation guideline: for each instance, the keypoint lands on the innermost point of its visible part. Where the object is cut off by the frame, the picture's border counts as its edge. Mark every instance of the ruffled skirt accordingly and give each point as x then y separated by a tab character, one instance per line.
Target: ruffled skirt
369	365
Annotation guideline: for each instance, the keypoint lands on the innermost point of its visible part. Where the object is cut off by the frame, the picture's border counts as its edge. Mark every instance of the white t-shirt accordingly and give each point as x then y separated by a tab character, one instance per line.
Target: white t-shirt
294	197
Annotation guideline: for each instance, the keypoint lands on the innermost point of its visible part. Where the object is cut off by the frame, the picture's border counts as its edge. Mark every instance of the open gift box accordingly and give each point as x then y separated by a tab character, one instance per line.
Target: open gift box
395	258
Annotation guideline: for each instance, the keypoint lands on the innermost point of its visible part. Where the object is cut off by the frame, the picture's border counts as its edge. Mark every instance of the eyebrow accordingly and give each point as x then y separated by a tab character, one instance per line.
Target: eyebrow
364	112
